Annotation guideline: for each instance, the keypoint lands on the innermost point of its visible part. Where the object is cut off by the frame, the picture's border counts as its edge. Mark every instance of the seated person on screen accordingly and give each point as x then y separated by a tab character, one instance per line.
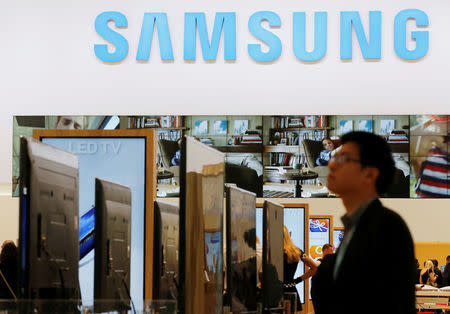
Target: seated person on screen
175	161
326	153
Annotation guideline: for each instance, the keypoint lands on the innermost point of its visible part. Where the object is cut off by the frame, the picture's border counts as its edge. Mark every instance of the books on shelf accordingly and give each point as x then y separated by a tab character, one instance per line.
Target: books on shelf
316	121
279	122
138	122
287	159
293	137
296	123
172	135
398	136
320	121
251	137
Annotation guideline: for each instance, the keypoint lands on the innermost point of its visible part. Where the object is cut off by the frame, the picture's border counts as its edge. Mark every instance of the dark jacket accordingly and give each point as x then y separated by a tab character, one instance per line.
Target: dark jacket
322	286
446	275
368	280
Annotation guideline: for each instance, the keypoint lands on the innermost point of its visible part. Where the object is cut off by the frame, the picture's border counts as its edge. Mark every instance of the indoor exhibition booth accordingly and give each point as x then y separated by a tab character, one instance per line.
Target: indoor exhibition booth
199	255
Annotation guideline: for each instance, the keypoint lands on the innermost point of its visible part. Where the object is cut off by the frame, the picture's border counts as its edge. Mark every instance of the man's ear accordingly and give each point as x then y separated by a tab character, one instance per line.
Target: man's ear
372	173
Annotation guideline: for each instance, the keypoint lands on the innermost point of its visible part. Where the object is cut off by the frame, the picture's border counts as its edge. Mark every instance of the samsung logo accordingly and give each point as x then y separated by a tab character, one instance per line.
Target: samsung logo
225	23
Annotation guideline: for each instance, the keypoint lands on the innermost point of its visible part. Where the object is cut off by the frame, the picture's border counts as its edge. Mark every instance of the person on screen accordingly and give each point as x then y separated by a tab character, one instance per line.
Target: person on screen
325	154
71	123
362	170
175	161
291	257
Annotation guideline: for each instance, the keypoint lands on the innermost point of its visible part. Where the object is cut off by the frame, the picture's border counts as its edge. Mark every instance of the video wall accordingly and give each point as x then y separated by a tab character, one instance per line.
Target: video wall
263	151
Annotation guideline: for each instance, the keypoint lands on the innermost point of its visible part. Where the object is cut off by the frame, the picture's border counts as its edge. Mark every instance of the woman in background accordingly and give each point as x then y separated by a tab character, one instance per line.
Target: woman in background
427	275
8	268
293	255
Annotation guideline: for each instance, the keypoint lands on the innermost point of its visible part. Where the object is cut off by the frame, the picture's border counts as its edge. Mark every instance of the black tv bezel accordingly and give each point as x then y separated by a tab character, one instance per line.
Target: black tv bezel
100	263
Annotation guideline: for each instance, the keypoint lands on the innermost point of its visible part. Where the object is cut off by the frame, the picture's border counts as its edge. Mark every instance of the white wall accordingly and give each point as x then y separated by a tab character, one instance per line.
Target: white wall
47	66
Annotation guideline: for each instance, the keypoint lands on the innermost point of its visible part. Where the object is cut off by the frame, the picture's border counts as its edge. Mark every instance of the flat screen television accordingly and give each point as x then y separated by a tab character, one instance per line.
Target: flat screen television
48	209
112	246
241	273
165	256
272	261
201	214
294	218
118	157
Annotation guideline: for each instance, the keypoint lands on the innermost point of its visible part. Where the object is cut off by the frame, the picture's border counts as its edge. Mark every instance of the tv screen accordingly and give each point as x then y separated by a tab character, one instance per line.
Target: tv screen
112	246
116	159
201	214
241	250
87	232
165	255
48	209
273	252
294	219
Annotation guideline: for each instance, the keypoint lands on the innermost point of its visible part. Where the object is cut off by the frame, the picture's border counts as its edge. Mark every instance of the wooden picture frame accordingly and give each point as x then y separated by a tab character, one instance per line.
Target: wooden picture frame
330	241
150	183
334	239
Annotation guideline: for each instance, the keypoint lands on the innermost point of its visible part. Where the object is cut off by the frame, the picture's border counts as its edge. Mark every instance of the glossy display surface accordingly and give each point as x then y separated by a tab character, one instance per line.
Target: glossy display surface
273	268
112	245
166	248
120	160
241	249
201	236
294	220
48	209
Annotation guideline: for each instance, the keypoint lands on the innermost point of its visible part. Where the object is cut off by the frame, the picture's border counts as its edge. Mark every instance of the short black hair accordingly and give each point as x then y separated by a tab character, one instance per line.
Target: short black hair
448	258
9	253
326	246
374	151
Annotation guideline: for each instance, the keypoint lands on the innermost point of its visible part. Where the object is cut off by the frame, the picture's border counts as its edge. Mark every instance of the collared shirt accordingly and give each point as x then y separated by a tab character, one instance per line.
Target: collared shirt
350	222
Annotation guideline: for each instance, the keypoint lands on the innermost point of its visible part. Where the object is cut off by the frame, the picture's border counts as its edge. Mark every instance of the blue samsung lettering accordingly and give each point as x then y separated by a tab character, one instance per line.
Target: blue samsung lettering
145	41
351	19
274	43
223	20
421	37
120	43
320	36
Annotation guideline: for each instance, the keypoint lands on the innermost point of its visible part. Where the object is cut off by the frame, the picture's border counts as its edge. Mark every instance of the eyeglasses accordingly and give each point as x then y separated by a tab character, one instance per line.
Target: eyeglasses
341	159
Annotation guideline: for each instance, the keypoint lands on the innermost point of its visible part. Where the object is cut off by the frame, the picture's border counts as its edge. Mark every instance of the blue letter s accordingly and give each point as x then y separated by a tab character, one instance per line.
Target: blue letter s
101	26
274	43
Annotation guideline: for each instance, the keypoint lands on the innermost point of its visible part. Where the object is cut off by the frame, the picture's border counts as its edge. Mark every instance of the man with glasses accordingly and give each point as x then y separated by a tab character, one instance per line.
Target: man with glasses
374	271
